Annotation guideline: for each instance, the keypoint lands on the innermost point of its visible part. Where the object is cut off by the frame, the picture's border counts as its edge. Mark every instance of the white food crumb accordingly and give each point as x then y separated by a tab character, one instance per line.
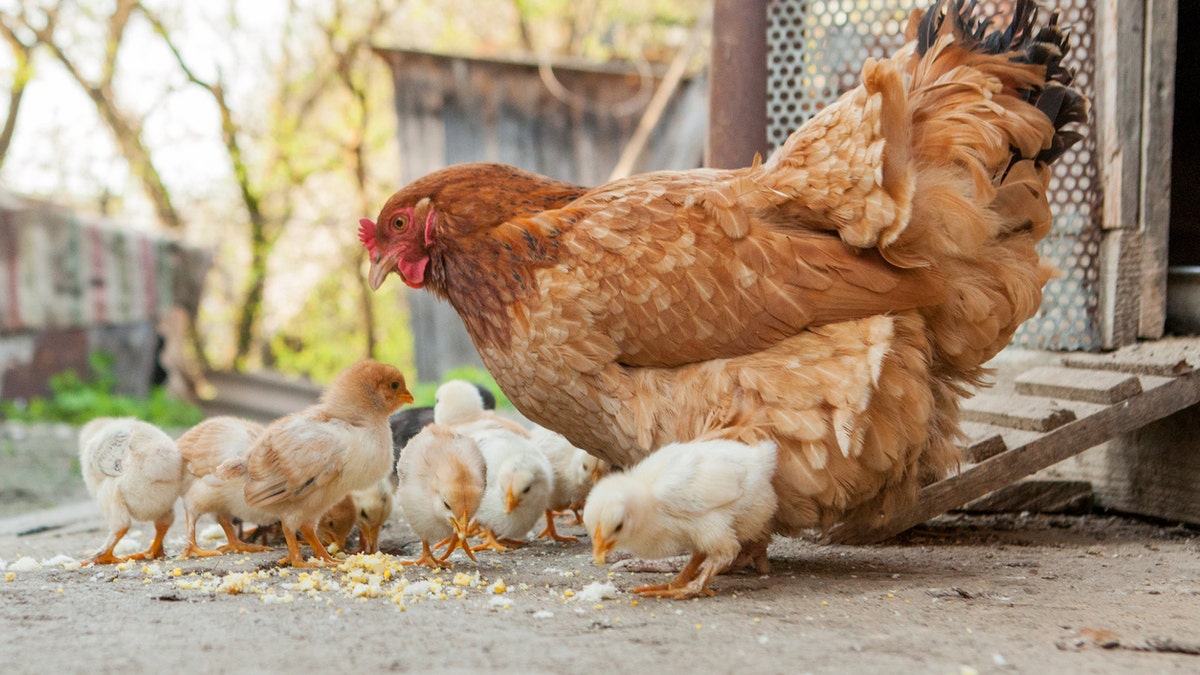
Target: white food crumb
763	639
419	588
597	591
59	559
212	533
499	602
127	545
543	614
24	565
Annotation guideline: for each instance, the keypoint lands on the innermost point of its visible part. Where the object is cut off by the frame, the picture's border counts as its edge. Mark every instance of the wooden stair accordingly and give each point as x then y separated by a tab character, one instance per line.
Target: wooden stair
1052	413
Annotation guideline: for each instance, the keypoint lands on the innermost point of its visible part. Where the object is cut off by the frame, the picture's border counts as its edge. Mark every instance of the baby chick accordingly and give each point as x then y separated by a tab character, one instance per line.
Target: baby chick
337	523
410	421
135	472
706	497
372	508
204	448
520	482
461	405
441	482
575	471
307	462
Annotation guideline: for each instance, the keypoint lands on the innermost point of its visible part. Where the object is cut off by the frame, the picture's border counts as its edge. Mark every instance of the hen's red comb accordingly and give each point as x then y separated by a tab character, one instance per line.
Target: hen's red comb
366	233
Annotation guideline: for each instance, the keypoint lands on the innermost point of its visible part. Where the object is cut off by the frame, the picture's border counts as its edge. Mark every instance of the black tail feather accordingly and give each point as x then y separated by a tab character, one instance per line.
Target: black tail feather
1045	46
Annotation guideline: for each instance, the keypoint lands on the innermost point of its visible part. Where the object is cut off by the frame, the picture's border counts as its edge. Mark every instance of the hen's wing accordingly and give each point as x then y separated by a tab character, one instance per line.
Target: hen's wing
679	268
295	457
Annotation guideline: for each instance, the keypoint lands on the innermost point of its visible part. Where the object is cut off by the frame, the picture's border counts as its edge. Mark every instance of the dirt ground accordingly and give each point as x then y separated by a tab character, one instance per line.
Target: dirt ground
965	594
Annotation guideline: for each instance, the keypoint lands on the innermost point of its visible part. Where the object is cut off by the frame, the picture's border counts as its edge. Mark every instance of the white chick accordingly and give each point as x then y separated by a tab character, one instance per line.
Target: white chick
705	497
440	482
520	482
305	463
135	472
204	448
372	508
575	471
460	405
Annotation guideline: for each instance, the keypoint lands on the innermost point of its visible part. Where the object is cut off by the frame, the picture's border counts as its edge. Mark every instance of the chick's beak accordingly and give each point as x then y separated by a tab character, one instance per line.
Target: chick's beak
510	501
462	525
600	547
406	397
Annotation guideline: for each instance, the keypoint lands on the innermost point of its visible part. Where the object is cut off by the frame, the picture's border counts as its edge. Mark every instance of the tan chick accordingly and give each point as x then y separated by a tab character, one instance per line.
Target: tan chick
441	482
135	472
205	447
704	497
307	462
575	472
337	523
372	508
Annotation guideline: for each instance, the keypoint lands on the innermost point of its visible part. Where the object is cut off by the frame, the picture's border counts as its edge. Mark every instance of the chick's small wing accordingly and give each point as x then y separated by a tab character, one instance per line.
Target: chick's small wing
697	483
294	457
674	268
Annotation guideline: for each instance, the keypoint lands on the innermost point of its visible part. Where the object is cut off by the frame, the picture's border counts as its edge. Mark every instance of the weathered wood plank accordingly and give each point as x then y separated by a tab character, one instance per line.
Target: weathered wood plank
1163	358
1018	412
1092	386
1158	119
1065	441
1037	496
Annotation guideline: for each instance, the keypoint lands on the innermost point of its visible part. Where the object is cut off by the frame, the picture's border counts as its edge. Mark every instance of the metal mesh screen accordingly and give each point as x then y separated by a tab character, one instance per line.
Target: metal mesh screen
815	49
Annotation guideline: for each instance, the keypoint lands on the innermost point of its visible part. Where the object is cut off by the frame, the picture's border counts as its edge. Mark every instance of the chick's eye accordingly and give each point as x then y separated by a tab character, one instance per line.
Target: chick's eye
446	504
401	222
526	489
618	527
395	385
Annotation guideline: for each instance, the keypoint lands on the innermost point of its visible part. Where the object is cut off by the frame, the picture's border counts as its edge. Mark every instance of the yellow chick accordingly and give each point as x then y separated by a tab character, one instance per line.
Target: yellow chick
135	472
705	497
205	447
575	471
307	462
520	482
460	404
440	484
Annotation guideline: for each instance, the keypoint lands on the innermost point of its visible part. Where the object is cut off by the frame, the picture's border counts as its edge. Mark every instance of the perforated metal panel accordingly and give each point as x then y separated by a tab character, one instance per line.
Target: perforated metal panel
815	49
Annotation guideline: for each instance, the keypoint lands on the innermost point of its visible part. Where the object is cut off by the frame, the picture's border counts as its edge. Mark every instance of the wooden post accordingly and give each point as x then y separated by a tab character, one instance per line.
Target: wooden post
737	122
1158	113
1121	48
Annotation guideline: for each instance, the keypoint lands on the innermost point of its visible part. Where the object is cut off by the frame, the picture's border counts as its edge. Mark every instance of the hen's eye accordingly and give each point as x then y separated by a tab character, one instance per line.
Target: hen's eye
401	222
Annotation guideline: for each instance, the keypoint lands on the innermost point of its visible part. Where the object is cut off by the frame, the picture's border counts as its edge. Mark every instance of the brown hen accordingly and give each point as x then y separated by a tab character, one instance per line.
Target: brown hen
839	298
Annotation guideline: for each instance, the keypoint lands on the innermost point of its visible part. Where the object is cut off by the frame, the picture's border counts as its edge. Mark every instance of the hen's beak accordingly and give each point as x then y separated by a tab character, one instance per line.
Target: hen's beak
510	501
462	525
380	269
600	547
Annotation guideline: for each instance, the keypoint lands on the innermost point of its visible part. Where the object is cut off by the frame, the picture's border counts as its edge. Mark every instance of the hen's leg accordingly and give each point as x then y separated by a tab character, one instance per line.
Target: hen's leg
156	547
105	555
234	543
551	533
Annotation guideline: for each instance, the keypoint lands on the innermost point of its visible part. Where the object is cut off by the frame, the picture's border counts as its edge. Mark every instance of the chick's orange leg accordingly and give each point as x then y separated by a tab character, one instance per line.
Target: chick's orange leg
294	557
671	588
105	556
551	533
427	558
490	542
310	534
234	543
156	547
191	548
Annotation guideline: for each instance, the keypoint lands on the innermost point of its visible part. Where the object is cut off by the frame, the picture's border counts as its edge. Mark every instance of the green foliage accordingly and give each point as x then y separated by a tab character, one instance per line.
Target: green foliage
76	401
327	335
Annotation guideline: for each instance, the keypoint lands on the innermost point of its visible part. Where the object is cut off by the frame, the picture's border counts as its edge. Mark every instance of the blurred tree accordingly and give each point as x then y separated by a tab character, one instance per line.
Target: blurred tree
22	52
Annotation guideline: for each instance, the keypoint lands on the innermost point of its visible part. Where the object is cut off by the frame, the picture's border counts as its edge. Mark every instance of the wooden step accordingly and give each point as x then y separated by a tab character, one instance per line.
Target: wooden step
1075	384
1092	425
